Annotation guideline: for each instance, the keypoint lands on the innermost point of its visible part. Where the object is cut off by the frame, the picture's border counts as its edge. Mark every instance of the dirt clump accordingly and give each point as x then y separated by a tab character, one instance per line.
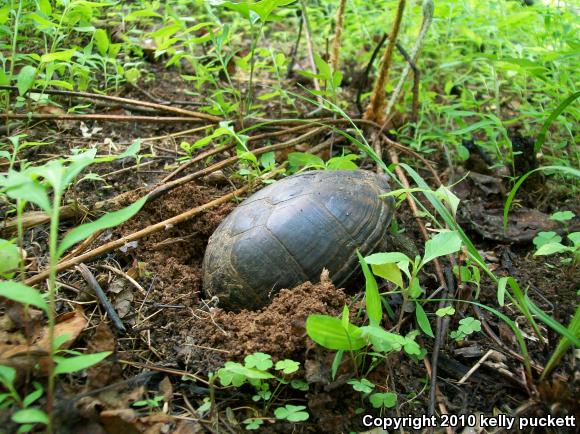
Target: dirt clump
278	329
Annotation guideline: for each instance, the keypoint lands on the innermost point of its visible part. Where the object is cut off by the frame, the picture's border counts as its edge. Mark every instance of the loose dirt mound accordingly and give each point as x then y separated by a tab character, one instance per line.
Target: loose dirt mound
278	329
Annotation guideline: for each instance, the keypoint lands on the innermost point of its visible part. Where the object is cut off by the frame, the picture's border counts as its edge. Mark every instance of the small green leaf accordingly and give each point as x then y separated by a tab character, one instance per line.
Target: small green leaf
109	220
253	423
102	41
298	160
390	272
374	306
9	257
22	293
469	325
7	376
415	289
32	397
292	413
250	373
78	363
363	385
382	340
387	400
546	238
575	238
445	311
132	150
299	385
329	332
268	160
562	216
63	56
444	243
287	366
261	361
22	186
422	320
387	258
448	197
30	415
45	7
25	79
551	248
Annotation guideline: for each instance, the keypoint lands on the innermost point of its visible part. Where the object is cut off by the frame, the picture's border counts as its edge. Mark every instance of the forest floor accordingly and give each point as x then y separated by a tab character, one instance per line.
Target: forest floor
175	336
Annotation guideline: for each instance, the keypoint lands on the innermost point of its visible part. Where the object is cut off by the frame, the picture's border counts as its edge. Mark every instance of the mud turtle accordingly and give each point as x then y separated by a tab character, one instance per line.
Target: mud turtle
286	233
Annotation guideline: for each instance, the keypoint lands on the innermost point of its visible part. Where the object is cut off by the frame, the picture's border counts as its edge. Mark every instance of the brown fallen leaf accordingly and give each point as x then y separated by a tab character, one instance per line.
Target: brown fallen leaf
24	355
109	370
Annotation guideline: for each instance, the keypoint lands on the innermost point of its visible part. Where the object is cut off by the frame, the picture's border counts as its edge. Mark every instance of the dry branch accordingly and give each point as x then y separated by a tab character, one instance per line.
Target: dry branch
335	53
96	96
375	109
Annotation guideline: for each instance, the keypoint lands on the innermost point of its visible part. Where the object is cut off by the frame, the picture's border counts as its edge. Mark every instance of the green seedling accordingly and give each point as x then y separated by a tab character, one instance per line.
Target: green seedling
391	266
467	326
26	415
298	161
258	370
44	187
150	403
292	413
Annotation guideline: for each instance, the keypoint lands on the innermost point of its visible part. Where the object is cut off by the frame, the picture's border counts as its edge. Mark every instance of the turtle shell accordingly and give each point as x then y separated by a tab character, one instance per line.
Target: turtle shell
288	232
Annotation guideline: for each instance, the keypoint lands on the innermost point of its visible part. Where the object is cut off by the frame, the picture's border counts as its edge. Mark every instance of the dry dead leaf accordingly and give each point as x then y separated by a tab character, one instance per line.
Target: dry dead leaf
109	370
24	355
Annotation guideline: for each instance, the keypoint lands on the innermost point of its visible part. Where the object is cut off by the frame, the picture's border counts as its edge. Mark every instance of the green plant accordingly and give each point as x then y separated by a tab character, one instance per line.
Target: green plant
151	403
550	243
466	327
292	413
303	161
26	416
390	265
36	185
257	372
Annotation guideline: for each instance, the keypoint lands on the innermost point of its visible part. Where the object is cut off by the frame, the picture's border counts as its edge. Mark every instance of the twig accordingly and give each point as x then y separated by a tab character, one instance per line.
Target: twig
335	53
94	96
163	101
375	109
108	118
128	169
308	37
125	276
294	51
440	334
92	282
440	403
370	63
428	8
475	367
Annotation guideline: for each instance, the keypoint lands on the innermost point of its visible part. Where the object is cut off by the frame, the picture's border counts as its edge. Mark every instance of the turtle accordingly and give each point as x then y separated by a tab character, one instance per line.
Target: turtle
288	232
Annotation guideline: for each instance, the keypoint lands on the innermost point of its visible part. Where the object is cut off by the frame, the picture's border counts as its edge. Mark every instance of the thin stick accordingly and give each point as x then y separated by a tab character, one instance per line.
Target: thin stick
308	37
295	48
125	276
108	118
428	8
335	53
440	403
162	107
375	109
475	367
92	282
